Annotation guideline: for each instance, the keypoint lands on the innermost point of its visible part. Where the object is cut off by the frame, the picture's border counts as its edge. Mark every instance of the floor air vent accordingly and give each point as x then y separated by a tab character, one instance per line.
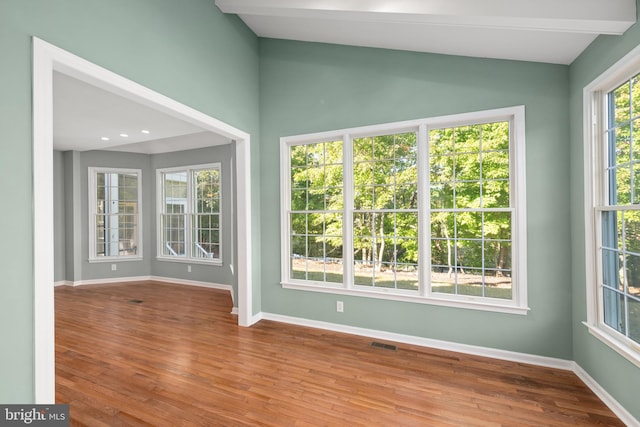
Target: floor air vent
136	301
382	345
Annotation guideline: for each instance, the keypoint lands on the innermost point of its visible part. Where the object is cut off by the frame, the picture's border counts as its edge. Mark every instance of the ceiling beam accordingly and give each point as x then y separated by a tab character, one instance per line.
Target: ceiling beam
575	16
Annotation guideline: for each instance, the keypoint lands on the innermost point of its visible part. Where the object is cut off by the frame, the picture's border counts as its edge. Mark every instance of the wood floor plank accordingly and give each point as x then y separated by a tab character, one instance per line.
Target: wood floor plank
178	358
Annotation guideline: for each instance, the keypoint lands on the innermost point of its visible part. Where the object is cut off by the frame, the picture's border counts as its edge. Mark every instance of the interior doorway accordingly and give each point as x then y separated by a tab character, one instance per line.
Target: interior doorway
47	59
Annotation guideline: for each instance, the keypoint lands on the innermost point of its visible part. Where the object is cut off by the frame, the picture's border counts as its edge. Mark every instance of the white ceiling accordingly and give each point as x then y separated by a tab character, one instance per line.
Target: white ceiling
84	113
552	31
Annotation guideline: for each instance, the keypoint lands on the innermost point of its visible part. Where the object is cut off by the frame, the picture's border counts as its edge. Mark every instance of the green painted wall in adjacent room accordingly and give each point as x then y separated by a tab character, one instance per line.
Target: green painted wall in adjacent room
307	87
187	50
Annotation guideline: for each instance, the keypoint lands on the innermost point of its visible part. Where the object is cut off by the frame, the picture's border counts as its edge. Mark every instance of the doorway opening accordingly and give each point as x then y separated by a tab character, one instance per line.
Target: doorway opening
47	59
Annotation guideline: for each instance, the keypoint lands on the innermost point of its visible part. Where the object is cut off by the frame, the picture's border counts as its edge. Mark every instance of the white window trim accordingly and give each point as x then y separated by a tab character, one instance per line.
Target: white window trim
594	155
159	210
516	117
93	258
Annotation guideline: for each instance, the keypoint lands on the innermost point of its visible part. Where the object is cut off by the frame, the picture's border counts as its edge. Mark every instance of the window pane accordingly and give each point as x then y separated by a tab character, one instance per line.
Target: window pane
622	103
440	141
611	268
634	319
495	194
469	254
298	224
467	194
495	165
632	271
298	155
635	96
497	225
116	221
470	282
467	139
471	250
623	147
441	168
206	237
362	149
497	255
333	225
441	196
174	235
495	136
316	239
498	284
636	182
407	196
613	305
467	167
469	224
298	200
632	231
299	178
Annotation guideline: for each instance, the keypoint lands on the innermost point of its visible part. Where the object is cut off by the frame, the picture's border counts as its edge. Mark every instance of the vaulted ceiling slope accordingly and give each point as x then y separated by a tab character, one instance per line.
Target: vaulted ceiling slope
551	31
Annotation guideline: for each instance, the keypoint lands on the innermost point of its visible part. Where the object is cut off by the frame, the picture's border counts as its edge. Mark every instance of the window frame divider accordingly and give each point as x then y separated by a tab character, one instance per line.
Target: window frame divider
347	220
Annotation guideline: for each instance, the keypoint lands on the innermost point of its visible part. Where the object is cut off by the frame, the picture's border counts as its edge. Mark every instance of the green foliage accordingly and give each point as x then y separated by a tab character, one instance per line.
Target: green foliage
469	169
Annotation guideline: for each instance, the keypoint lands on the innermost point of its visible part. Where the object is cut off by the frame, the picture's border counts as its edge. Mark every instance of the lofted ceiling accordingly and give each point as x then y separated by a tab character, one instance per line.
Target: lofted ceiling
551	31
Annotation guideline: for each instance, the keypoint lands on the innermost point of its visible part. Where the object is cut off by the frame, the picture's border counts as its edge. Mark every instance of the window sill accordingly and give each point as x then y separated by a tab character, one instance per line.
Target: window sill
393	295
629	351
216	262
115	259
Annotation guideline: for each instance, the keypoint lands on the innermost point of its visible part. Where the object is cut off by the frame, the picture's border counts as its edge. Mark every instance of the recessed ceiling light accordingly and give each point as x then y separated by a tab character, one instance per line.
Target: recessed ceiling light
124	135
104	138
145	131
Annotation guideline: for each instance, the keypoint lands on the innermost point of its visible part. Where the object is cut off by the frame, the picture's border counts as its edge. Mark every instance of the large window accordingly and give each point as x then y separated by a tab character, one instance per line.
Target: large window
189	213
430	211
114	207
613	219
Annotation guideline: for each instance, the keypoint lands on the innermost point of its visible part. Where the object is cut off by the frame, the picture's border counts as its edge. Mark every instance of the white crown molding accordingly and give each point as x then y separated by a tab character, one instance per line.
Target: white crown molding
576	16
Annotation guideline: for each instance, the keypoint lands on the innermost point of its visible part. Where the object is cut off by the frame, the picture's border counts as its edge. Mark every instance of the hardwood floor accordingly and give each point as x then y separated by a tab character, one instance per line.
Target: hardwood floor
178	358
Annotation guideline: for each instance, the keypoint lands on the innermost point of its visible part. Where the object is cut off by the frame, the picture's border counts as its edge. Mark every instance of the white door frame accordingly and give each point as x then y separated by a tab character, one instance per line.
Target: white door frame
47	59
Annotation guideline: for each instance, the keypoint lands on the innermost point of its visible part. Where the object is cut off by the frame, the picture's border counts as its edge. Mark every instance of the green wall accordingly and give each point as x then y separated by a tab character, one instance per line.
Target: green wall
307	87
616	374
187	50
193	53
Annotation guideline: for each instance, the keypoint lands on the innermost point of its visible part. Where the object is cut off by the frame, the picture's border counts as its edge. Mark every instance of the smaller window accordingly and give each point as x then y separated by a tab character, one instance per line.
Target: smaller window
189	213
612	206
114	210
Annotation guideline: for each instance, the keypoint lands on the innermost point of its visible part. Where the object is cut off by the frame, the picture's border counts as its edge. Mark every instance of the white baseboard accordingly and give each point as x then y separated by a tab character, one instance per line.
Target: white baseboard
234	310
549	362
608	400
114	280
211	285
62	283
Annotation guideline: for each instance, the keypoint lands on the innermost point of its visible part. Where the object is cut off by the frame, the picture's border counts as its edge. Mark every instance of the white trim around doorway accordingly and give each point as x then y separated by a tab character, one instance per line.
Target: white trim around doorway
48	58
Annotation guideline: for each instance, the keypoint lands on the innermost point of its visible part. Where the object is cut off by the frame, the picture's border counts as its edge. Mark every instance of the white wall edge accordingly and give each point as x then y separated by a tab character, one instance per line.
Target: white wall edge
606	398
549	362
234	311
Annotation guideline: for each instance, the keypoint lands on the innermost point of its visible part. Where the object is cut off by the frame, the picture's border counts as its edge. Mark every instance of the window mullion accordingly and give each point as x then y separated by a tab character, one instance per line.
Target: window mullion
424	213
189	211
347	218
